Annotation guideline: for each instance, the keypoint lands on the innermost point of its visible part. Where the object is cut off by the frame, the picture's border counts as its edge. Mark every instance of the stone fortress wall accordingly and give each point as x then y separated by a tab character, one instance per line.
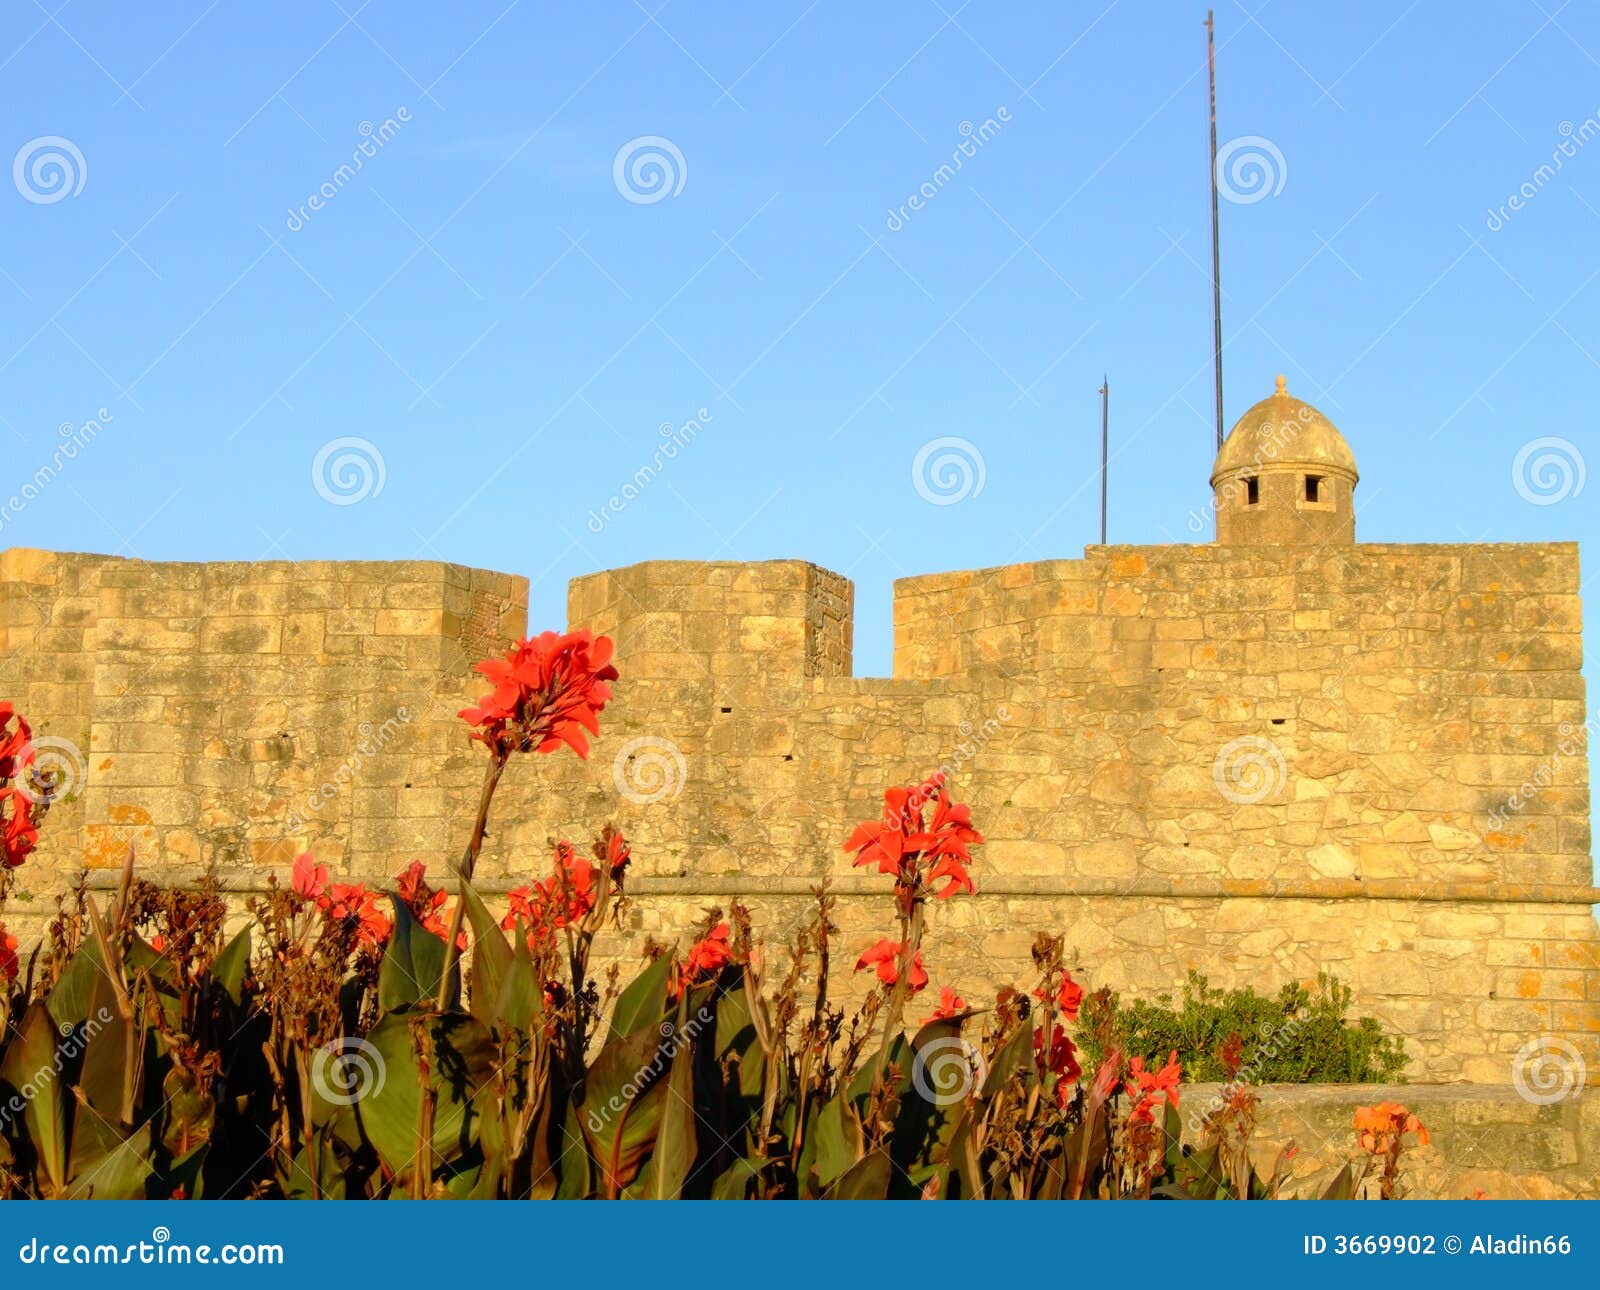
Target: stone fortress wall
1381	705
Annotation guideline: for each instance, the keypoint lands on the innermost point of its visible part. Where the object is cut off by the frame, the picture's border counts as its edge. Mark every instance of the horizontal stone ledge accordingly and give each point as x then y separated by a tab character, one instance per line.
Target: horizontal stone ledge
246	881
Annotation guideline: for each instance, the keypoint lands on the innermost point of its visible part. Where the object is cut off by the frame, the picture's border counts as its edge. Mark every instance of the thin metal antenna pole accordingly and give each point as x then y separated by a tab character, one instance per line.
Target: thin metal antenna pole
1216	239
1105	441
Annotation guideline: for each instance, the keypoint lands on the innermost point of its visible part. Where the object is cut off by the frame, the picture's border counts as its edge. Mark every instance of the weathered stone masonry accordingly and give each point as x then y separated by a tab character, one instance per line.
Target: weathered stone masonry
1394	697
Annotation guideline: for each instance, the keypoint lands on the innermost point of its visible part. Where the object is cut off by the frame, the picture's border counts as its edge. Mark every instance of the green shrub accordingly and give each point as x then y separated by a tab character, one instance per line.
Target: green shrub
1299	1036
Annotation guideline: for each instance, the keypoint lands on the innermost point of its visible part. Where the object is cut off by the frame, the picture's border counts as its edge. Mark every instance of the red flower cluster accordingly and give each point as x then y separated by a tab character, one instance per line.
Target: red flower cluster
885	957
18	831
1382	1125
568	895
426	904
951	1004
344	902
1069	997
1061	1061
9	964
548	690
707	957
1151	1087
917	851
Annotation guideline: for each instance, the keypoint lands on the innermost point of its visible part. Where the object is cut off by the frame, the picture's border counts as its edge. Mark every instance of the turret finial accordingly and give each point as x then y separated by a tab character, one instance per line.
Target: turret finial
1283	385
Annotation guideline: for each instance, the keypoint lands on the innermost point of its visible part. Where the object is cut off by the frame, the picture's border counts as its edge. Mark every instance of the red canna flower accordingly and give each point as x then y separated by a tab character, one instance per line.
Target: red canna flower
308	879
527	909
355	906
16	746
953	869
1069	997
1061	1061
617	852
1105	1079
10	965
707	957
914	851
571	890
19	829
1380	1126
427	906
18	832
885	958
951	1004
565	898
349	903
1151	1087
710	955
414	890
548	690
883	842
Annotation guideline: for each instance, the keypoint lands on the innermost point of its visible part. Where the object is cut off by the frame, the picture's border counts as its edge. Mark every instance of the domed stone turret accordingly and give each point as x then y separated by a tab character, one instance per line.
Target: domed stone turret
1285	476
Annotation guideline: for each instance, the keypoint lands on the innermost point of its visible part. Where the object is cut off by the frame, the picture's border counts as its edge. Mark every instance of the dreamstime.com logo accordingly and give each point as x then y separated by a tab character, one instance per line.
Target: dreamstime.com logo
643	1079
1573	137
1548	1069
159	1249
973	137
1548	470
349	470
1274	1040
1274	438
1249	769
945	1071
373	138
1249	169
674	439
55	772
373	740
649	169
49	169
72	1045
649	770
1572	742
347	1070
948	470
75	439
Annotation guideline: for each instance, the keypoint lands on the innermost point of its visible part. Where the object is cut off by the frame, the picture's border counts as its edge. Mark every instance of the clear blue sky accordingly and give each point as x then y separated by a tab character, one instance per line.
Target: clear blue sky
482	304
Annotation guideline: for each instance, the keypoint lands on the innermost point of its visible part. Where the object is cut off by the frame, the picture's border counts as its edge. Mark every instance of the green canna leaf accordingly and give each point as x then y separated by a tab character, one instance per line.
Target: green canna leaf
867	1179
644	1002
228	968
31	1068
734	1181
491	957
413	962
673	1154
388	1105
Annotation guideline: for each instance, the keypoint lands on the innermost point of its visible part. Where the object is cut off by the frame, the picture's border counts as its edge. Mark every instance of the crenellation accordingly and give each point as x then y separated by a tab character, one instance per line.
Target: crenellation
1264	757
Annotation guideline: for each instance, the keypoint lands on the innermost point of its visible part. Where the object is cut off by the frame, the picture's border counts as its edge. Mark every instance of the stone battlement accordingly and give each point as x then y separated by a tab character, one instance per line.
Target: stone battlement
1258	761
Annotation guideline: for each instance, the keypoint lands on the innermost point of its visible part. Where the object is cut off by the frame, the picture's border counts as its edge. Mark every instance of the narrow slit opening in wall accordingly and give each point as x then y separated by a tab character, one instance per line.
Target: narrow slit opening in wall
1313	488
1252	491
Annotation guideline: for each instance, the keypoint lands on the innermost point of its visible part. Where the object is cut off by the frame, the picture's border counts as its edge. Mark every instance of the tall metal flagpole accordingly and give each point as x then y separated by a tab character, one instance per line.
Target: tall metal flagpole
1105	440
1216	240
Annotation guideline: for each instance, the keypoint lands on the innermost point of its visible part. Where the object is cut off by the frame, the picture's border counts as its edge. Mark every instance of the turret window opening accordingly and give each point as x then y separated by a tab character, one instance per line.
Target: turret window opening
1314	488
1252	490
